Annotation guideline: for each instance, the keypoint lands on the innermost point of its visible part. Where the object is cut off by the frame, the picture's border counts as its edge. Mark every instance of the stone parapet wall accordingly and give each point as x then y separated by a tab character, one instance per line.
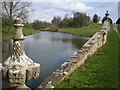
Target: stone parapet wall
88	49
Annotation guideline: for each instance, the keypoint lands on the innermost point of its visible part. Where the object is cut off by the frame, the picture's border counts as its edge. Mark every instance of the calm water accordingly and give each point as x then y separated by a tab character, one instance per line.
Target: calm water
50	49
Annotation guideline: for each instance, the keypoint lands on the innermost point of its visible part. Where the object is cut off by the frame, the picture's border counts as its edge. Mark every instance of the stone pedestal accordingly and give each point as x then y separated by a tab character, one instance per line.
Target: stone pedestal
18	67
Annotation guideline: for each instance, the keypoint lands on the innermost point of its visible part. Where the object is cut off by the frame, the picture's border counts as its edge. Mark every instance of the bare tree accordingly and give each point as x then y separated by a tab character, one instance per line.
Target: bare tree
14	9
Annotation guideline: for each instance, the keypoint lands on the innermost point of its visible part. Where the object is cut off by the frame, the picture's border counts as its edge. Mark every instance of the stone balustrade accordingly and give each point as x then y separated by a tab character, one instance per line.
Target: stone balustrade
88	49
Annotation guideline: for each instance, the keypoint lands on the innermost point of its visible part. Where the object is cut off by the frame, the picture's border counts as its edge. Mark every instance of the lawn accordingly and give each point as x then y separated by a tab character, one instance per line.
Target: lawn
7	36
99	71
85	31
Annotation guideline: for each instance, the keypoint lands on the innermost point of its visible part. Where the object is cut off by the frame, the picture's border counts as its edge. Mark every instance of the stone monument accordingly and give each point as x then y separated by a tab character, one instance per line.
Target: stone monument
106	17
18	67
107	14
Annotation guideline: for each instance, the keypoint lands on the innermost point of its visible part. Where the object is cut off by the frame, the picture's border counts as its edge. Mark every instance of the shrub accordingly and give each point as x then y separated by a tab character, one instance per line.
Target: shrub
53	28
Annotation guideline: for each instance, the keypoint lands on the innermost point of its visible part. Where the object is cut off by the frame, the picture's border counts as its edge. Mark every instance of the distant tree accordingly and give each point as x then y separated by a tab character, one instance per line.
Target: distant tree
95	18
66	17
38	25
28	25
88	20
80	19
56	20
65	22
71	22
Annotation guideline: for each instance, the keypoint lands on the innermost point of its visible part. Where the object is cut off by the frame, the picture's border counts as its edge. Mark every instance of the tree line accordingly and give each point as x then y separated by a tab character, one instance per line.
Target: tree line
78	20
12	10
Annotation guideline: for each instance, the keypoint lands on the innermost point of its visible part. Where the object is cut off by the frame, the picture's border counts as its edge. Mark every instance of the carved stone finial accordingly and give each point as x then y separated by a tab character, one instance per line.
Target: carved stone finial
18	21
18	67
18	25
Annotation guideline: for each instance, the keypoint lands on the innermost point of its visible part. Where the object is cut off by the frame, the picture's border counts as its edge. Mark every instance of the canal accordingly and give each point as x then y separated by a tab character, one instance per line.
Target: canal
50	49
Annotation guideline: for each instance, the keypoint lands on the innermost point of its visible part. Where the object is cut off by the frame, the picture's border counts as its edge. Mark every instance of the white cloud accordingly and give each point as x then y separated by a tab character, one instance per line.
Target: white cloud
68	0
101	8
80	7
46	15
46	11
72	6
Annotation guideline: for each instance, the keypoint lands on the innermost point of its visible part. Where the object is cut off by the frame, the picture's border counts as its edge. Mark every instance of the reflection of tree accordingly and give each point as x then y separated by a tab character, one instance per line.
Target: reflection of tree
36	37
55	39
77	42
6	48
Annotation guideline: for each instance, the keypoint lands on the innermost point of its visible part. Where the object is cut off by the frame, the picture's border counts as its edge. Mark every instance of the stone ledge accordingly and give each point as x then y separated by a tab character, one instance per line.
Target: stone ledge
89	48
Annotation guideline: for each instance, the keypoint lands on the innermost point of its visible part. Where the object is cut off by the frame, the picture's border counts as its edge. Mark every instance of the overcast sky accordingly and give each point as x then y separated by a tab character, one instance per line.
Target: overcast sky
45	11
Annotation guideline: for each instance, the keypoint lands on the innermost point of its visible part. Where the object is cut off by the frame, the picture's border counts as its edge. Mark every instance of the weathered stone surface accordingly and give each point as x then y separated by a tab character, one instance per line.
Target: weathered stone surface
35	70
18	67
18	21
89	48
4	72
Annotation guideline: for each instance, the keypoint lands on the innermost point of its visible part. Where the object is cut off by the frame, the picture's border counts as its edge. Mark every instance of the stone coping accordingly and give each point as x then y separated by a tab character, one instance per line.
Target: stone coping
89	48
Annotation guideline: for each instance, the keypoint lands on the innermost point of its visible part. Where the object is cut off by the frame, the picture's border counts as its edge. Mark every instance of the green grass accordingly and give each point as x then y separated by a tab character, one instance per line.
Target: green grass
7	36
85	31
99	71
118	26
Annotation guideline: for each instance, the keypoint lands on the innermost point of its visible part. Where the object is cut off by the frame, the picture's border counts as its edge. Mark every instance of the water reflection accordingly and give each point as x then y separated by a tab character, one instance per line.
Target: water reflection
50	49
6	49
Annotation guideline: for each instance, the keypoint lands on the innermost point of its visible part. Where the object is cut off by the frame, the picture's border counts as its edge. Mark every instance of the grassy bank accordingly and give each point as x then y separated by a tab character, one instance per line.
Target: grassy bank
99	71
85	31
7	36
